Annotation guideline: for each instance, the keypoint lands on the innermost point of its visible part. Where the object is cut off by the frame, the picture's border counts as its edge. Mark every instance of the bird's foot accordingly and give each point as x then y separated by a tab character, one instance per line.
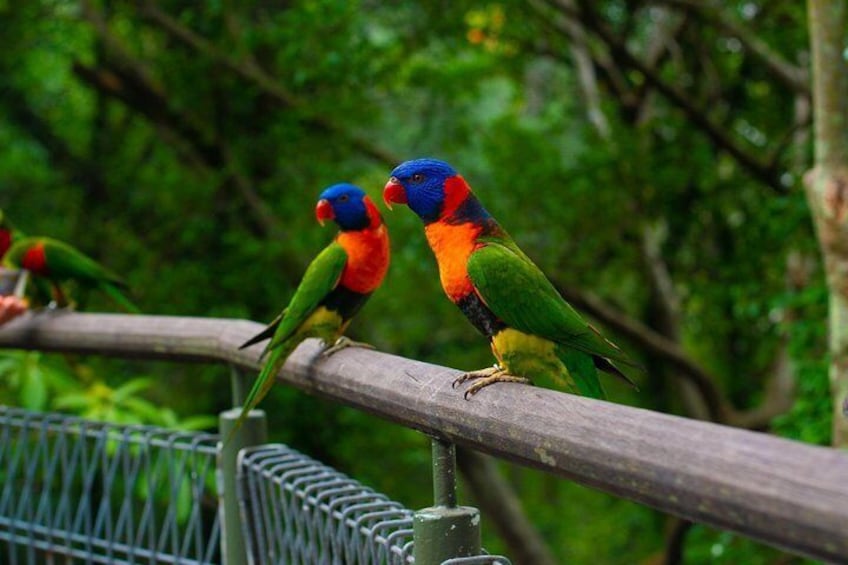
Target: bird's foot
56	307
481	374
343	343
486	377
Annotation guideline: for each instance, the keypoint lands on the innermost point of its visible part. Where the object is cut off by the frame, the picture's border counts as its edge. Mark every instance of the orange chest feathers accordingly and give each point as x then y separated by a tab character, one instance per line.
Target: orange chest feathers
367	259
453	245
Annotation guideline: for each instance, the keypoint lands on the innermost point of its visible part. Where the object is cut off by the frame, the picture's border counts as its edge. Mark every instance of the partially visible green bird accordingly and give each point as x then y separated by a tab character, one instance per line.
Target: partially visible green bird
58	262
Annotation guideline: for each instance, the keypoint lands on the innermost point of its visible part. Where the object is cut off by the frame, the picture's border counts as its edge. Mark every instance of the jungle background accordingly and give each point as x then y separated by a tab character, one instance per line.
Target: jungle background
648	155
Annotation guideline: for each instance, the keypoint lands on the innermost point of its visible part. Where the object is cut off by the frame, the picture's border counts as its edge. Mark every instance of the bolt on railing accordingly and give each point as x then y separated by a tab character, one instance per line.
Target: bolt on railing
445	530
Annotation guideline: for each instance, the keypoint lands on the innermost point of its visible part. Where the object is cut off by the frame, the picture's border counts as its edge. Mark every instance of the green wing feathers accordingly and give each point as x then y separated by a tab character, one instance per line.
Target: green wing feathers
66	262
320	278
521	295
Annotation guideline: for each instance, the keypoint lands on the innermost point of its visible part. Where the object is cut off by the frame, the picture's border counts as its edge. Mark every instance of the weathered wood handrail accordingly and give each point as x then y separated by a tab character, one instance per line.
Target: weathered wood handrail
784	493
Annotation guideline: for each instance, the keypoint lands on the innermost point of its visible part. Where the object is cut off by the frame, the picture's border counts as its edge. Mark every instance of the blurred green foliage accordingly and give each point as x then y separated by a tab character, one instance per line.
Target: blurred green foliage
168	163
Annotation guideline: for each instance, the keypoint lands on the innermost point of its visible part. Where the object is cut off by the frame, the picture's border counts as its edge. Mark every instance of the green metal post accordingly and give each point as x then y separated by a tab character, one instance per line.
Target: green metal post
254	431
445	530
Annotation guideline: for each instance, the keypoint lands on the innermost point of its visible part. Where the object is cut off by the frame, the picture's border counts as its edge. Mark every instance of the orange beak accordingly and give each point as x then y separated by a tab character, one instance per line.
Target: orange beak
324	211
393	192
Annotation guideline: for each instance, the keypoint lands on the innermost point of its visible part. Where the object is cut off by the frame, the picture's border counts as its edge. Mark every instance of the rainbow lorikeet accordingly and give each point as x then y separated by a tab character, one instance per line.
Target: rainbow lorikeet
534	333
334	287
57	262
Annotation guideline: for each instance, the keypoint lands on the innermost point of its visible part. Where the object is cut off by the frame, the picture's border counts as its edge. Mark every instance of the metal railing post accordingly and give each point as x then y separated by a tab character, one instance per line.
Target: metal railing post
445	530
254	431
13	282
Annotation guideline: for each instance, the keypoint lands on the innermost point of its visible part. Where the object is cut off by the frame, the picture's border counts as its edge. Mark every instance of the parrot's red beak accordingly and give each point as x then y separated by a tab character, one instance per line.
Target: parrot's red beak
324	211
393	192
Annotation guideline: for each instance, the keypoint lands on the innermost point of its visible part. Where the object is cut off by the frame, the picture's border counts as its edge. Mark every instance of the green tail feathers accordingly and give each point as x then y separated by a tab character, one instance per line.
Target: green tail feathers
267	376
120	298
581	367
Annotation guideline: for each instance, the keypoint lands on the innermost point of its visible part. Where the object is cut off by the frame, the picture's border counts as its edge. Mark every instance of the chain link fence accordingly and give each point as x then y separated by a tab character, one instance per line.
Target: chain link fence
76	491
91	492
323	515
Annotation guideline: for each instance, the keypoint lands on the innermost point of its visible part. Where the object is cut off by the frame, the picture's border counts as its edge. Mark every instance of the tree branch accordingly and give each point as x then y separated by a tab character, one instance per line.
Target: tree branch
574	33
827	189
658	49
129	81
249	70
791	76
78	170
698	116
653	342
779	393
585	65
498	501
664	312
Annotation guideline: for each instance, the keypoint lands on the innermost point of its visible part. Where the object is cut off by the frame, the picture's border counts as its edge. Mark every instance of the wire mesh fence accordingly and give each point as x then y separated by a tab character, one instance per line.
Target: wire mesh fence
76	491
296	510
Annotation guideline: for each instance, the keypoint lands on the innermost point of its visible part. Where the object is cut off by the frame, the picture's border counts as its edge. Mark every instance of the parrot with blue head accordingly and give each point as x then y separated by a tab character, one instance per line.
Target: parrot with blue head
533	332
334	287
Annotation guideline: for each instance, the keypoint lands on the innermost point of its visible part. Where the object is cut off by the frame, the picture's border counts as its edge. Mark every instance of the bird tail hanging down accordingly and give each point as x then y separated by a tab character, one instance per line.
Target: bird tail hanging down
582	369
608	366
267	376
119	297
267	333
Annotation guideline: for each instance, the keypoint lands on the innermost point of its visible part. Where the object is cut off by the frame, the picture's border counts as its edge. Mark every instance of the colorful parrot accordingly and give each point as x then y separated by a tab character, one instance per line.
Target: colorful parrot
334	287
58	262
533	332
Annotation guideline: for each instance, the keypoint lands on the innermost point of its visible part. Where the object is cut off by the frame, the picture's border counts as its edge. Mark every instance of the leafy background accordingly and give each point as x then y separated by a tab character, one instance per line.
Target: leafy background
183	144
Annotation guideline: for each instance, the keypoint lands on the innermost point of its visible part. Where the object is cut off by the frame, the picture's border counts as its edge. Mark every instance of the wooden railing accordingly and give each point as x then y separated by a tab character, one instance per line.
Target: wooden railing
781	492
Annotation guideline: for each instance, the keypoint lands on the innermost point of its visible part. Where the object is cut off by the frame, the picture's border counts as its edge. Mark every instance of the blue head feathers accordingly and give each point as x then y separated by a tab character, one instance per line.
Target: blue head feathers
423	183
344	203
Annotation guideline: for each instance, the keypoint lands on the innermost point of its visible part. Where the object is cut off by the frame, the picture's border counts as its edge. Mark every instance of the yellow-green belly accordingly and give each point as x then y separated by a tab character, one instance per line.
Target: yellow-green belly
323	323
530	356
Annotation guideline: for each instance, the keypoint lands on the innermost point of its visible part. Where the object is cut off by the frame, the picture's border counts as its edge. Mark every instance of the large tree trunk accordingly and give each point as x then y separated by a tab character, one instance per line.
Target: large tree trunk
827	187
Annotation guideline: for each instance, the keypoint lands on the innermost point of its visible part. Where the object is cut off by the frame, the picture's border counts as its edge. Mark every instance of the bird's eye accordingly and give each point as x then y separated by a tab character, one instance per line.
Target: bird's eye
417	177
343	198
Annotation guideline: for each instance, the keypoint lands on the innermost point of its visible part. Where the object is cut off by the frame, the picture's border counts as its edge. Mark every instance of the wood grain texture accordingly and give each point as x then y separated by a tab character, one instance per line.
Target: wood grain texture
784	493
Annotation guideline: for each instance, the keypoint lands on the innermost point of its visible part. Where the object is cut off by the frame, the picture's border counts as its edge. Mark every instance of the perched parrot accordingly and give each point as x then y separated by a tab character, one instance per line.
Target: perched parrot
533	332
334	287
58	262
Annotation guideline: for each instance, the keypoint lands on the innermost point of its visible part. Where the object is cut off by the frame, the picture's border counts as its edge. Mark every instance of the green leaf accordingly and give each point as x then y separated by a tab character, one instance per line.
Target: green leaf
34	390
131	388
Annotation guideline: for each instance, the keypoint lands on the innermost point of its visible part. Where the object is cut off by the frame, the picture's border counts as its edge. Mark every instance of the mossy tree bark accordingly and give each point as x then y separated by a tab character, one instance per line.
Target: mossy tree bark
827	187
